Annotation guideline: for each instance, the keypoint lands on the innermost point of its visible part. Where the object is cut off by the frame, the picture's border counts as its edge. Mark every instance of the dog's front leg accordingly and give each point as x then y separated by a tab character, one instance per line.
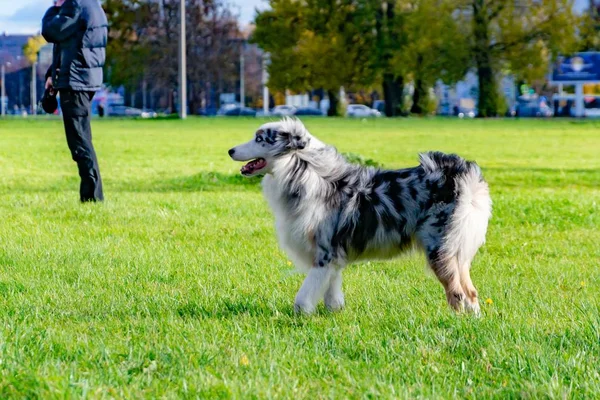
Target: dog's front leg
319	277
313	289
324	253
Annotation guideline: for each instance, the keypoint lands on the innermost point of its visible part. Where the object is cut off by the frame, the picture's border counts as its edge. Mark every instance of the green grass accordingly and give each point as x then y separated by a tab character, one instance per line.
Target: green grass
175	287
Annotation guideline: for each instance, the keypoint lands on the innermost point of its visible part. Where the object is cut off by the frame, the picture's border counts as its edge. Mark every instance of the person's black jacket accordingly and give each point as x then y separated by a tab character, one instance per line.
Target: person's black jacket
78	30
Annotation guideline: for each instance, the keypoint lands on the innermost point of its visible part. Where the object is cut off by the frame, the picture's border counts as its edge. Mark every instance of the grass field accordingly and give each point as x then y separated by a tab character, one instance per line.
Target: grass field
175	287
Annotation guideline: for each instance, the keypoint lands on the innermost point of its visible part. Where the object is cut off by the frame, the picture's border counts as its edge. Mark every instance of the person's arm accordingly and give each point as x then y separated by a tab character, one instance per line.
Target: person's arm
52	68
61	22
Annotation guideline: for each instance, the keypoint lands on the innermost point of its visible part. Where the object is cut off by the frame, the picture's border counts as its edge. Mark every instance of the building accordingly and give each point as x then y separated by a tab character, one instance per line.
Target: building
11	47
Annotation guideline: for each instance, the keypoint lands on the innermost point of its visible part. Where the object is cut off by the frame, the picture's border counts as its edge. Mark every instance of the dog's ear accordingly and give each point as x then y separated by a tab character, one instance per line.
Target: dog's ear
294	133
297	142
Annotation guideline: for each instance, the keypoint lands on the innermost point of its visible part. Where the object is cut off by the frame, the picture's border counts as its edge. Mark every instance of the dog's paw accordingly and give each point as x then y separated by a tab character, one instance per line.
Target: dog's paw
301	307
335	303
473	308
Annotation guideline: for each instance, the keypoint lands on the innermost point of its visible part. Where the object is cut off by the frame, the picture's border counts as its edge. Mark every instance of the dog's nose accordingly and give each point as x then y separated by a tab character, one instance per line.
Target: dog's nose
231	151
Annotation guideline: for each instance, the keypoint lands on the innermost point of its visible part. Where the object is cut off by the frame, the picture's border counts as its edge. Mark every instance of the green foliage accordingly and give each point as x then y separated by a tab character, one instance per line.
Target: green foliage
520	37
319	44
175	286
589	32
355	44
435	44
361	160
127	53
32	48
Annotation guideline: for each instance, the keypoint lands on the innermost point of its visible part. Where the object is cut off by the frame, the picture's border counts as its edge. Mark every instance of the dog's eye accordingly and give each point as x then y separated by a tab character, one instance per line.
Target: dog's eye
259	139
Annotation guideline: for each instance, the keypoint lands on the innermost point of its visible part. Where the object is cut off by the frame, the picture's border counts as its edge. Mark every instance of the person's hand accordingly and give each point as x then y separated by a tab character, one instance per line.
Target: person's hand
49	83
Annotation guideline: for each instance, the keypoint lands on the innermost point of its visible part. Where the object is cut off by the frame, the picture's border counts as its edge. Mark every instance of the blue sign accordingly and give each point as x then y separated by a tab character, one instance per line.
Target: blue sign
582	67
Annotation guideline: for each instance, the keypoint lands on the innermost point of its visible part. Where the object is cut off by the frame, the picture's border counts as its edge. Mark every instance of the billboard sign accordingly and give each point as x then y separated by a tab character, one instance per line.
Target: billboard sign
579	68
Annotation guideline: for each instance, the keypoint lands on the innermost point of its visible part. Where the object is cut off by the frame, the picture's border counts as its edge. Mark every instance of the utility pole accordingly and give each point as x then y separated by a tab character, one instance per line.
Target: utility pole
144	94
34	88
182	65
265	80
242	76
3	95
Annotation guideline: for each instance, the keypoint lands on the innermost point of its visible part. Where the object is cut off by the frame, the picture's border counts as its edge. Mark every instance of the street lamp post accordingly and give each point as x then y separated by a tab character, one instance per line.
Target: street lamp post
182	65
34	88
242	76
3	95
265	80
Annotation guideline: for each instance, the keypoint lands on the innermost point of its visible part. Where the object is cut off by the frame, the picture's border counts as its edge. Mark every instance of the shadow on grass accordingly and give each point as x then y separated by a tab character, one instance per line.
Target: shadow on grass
509	177
542	177
204	181
229	308
216	181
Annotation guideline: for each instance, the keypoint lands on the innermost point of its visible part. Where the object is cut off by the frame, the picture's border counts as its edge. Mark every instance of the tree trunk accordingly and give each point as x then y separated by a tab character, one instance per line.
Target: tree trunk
393	88
334	101
488	93
419	95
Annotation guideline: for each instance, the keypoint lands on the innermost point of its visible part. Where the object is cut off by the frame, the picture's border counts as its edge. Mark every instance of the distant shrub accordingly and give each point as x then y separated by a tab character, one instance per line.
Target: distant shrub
354	158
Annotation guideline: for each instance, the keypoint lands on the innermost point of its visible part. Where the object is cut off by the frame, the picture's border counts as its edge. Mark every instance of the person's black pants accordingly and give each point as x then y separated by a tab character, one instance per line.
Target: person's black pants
77	111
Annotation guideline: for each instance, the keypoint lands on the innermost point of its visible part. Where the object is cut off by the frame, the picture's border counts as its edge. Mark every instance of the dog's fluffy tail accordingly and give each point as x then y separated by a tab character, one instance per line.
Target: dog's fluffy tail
469	221
468	224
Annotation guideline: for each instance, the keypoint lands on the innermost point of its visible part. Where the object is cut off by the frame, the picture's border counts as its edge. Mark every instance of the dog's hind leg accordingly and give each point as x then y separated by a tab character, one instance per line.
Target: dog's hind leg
448	274
313	289
334	297
472	301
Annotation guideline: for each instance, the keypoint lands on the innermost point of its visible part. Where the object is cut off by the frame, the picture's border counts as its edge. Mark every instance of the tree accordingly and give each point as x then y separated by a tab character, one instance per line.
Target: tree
519	36
390	39
435	48
127	49
143	47
361	43
317	44
32	48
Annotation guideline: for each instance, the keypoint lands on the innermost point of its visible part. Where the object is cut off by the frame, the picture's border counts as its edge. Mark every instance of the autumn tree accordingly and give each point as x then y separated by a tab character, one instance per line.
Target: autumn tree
32	47
362	43
317	44
127	52
435	48
143	46
518	36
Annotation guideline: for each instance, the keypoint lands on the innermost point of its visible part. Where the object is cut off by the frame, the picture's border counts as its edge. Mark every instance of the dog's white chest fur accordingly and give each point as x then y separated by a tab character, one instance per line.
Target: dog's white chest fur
294	232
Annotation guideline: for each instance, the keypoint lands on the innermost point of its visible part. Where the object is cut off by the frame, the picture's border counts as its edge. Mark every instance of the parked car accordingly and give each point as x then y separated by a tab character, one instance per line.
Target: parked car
239	112
379	105
532	107
124	111
308	111
226	107
207	112
361	111
564	105
283	111
466	113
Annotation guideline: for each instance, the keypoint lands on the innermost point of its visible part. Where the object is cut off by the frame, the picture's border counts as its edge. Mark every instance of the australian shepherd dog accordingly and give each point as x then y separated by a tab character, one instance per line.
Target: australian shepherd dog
330	213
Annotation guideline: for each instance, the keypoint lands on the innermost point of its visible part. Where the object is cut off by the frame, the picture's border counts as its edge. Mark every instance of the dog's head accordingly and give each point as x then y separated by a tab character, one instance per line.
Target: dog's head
272	140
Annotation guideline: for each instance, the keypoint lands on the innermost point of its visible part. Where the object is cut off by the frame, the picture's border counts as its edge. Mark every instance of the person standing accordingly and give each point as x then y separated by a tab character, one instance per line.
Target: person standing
78	29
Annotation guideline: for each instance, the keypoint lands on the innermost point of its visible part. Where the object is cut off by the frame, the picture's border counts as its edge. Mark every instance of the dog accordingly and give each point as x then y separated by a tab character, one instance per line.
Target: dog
330	213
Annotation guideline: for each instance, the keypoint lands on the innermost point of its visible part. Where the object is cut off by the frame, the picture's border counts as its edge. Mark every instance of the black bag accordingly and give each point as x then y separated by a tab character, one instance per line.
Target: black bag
48	101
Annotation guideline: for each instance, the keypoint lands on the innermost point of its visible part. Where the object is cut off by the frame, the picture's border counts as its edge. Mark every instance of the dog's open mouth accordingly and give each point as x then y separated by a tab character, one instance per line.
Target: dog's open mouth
254	166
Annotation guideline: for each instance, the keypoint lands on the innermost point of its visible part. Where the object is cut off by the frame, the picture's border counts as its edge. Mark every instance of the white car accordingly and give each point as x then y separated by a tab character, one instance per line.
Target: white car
361	111
283	111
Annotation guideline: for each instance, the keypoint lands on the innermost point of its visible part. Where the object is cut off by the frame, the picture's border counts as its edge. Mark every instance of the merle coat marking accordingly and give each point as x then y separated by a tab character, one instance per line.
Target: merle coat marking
330	213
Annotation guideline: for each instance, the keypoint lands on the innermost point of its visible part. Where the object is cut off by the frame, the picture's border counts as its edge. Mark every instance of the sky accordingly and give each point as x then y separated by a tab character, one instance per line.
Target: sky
24	16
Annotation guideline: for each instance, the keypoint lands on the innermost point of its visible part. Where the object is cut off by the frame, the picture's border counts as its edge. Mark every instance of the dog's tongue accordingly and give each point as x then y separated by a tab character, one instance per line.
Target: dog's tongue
254	166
